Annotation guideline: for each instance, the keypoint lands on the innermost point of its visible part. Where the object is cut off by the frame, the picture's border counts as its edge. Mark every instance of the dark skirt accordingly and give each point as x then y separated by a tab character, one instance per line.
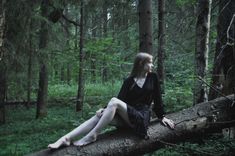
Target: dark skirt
140	118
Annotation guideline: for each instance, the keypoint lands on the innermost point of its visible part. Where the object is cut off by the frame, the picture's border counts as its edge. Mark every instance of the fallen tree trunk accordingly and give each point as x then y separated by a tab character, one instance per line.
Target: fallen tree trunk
190	123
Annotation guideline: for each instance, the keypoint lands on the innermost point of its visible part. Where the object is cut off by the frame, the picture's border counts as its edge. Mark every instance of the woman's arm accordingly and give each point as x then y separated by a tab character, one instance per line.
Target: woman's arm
157	97
158	105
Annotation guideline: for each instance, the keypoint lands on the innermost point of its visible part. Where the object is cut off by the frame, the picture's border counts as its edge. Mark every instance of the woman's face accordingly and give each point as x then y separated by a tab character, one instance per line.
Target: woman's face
148	66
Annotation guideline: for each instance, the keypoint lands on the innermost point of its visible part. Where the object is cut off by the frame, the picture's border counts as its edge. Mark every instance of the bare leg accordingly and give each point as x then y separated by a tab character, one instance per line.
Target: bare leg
115	105
82	129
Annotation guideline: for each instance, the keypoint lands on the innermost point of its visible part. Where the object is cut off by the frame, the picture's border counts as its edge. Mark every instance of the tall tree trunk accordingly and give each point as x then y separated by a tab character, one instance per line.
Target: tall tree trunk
145	26
68	73
105	22
67	35
113	22
43	74
76	44
81	83
56	73
161	42
224	61
68	64
126	8
3	85
17	77
42	92
3	89
202	48
29	65
93	56
62	73
93	69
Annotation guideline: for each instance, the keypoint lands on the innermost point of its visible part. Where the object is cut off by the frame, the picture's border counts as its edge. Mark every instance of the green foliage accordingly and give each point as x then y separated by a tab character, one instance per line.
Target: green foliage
98	46
99	89
177	98
61	91
94	92
106	53
214	145
185	2
179	83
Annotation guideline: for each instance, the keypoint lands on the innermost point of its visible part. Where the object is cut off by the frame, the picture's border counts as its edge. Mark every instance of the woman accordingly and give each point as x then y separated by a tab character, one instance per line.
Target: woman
132	105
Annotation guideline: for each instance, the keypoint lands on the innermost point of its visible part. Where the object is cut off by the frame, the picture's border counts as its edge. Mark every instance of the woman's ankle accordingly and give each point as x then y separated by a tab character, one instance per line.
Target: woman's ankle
66	141
85	140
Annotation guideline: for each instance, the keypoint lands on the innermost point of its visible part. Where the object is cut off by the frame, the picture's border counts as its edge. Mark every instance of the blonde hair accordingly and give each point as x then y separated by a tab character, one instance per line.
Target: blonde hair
140	60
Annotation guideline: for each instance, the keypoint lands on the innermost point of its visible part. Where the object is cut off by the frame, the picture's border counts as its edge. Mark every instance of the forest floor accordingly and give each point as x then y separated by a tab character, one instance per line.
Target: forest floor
23	134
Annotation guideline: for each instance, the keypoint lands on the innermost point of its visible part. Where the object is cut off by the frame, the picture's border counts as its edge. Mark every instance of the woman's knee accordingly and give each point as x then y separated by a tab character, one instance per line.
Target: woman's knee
113	102
116	103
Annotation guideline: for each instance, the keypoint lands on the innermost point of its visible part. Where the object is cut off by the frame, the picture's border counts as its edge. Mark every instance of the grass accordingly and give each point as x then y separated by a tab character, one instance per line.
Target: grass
23	134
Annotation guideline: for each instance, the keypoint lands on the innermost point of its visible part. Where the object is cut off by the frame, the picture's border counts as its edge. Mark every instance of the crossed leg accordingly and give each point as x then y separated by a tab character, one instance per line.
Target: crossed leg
94	125
80	130
114	106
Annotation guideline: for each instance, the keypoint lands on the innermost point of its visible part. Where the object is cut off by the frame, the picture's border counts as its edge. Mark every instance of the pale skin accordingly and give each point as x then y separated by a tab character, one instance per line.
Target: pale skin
103	117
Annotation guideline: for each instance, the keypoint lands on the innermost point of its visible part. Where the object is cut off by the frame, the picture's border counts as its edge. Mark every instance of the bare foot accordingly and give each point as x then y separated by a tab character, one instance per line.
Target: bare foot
85	140
60	142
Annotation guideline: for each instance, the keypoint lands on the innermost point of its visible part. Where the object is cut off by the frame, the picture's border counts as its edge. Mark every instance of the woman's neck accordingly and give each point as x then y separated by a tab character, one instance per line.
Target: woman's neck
142	75
140	79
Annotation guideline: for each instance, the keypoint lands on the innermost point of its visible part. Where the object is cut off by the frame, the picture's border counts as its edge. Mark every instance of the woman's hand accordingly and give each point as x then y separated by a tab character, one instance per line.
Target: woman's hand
99	113
168	122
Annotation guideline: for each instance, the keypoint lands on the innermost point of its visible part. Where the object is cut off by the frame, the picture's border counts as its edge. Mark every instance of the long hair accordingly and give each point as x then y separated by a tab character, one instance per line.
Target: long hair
140	60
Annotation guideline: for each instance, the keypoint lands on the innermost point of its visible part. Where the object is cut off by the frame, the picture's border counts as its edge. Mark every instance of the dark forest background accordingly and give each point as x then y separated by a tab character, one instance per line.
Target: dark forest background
62	60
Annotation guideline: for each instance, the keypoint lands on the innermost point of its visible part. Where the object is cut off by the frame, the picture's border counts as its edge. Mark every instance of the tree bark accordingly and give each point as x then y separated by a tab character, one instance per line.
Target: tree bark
126	36
69	73
145	26
62	73
43	74
29	81
105	27
224	60
202	48
202	118
80	96
3	88
161	42
93	56
67	35
42	93
3	85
